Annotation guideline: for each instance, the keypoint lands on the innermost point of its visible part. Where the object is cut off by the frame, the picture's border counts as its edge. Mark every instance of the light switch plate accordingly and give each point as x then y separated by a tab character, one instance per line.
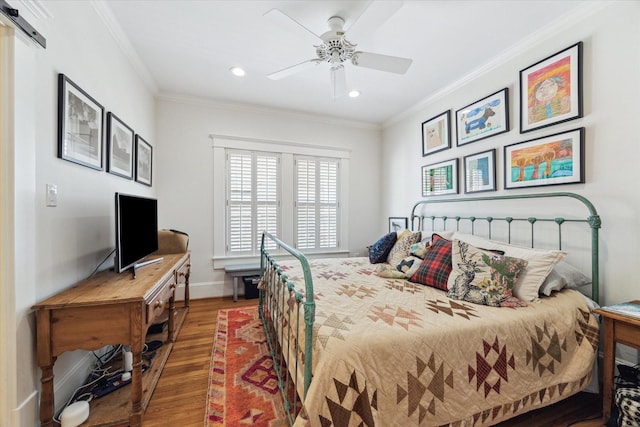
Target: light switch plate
52	195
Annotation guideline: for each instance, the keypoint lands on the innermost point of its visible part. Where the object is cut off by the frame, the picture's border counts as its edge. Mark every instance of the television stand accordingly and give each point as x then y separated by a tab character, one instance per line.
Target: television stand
142	264
109	308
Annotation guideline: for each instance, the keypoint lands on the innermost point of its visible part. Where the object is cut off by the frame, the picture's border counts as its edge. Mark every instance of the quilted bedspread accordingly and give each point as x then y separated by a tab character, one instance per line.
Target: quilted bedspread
389	352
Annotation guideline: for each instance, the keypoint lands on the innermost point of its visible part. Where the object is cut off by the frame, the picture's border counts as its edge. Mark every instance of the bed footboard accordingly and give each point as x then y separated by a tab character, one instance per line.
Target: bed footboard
280	307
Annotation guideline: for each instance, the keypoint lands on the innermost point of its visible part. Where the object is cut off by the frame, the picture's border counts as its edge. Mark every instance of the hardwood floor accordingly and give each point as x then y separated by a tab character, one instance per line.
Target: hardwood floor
180	396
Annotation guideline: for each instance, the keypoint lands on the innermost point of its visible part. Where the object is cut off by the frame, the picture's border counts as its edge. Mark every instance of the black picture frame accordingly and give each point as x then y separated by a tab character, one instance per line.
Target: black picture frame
398	223
144	161
561	154
436	133
120	139
480	172
551	90
80	125
484	118
440	179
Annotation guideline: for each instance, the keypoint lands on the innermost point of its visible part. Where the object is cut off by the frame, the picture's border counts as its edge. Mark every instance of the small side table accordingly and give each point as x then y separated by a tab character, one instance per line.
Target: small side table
618	328
242	270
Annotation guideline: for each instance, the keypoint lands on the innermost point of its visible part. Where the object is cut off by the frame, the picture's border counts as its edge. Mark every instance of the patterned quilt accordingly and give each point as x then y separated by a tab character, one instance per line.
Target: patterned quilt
389	352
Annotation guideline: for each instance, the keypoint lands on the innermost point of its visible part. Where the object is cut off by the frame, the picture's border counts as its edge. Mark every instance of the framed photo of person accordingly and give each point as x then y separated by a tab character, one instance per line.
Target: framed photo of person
436	134
551	90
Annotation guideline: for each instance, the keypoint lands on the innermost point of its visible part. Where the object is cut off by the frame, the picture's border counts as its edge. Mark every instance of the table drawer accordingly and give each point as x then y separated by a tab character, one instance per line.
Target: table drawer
160	301
183	271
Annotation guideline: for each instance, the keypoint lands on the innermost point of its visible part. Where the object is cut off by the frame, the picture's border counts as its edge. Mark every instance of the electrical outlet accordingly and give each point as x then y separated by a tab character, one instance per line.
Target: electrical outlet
52	195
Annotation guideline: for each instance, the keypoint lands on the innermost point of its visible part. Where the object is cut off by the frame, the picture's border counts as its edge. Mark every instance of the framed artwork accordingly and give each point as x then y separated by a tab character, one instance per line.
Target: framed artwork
551	90
398	224
484	118
120	137
144	161
440	178
480	172
554	159
436	134
80	125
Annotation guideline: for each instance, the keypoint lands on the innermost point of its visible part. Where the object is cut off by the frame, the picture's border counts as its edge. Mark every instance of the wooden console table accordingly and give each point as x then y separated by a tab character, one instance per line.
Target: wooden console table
111	309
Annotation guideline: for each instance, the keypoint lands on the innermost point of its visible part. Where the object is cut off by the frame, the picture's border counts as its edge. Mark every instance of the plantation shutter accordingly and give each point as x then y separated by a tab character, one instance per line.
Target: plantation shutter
252	199
316	203
267	201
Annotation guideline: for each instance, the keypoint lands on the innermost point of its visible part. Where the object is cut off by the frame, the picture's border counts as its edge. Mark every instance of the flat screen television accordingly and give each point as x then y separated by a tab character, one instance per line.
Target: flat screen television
136	230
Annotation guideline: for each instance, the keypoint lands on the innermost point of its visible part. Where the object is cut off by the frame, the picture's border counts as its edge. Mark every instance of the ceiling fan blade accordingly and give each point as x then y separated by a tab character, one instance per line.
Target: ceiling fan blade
391	64
374	15
288	23
294	69
338	81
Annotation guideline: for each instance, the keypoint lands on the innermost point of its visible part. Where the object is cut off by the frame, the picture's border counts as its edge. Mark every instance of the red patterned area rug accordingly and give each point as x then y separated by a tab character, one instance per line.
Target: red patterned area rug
243	387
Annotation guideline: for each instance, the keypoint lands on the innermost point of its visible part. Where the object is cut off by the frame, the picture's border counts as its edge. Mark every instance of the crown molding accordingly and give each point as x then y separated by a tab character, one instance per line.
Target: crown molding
104	12
547	32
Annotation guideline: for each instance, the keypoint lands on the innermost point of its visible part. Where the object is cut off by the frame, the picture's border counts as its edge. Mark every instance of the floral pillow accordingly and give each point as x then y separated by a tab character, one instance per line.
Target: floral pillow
380	250
483	277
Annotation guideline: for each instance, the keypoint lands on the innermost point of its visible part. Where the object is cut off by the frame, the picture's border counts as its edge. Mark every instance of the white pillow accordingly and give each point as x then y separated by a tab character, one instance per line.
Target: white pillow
540	263
563	275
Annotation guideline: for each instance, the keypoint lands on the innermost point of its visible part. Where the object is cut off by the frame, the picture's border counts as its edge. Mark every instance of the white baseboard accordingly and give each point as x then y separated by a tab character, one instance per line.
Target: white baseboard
26	414
208	290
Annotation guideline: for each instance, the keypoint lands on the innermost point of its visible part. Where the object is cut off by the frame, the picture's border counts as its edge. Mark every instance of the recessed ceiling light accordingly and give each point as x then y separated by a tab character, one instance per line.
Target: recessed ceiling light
237	71
354	93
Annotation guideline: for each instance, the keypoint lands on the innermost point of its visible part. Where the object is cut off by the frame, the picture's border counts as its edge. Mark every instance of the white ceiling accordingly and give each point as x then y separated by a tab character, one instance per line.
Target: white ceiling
188	46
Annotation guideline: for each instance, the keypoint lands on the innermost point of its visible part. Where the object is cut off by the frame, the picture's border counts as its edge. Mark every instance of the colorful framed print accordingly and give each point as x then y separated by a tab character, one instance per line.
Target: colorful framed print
144	161
480	172
436	133
80	125
398	224
551	90
484	118
120	136
440	178
551	160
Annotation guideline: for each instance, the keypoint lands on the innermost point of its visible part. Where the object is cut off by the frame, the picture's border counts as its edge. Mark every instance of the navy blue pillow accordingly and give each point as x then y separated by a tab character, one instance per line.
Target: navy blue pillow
380	250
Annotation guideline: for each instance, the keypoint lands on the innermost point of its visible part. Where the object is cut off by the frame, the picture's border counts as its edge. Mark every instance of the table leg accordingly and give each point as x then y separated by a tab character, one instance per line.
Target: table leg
235	288
607	375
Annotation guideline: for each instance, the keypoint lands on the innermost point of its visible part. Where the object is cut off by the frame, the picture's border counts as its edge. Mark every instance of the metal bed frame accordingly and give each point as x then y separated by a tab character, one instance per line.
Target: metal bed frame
278	291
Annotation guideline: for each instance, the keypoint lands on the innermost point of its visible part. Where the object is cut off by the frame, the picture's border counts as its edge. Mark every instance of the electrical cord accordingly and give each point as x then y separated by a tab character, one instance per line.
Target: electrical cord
102	262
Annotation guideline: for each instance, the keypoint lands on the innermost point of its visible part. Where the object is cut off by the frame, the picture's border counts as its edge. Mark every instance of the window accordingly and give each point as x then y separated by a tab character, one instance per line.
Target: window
296	192
253	199
316	203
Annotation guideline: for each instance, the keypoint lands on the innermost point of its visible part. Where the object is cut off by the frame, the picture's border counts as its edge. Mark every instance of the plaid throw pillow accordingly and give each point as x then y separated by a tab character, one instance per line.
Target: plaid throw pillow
435	268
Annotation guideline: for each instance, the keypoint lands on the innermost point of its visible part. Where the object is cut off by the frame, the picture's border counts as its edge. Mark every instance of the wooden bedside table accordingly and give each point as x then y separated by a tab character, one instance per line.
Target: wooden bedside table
618	328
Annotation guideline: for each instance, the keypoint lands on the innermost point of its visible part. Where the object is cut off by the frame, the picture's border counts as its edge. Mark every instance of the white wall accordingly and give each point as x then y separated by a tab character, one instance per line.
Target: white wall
57	246
184	165
611	59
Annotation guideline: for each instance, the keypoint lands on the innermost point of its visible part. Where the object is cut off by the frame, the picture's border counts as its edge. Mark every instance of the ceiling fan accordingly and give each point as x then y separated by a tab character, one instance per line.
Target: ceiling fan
335	49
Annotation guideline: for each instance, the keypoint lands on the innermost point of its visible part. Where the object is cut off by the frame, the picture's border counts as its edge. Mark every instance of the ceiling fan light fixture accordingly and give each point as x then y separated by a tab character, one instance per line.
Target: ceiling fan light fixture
237	71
